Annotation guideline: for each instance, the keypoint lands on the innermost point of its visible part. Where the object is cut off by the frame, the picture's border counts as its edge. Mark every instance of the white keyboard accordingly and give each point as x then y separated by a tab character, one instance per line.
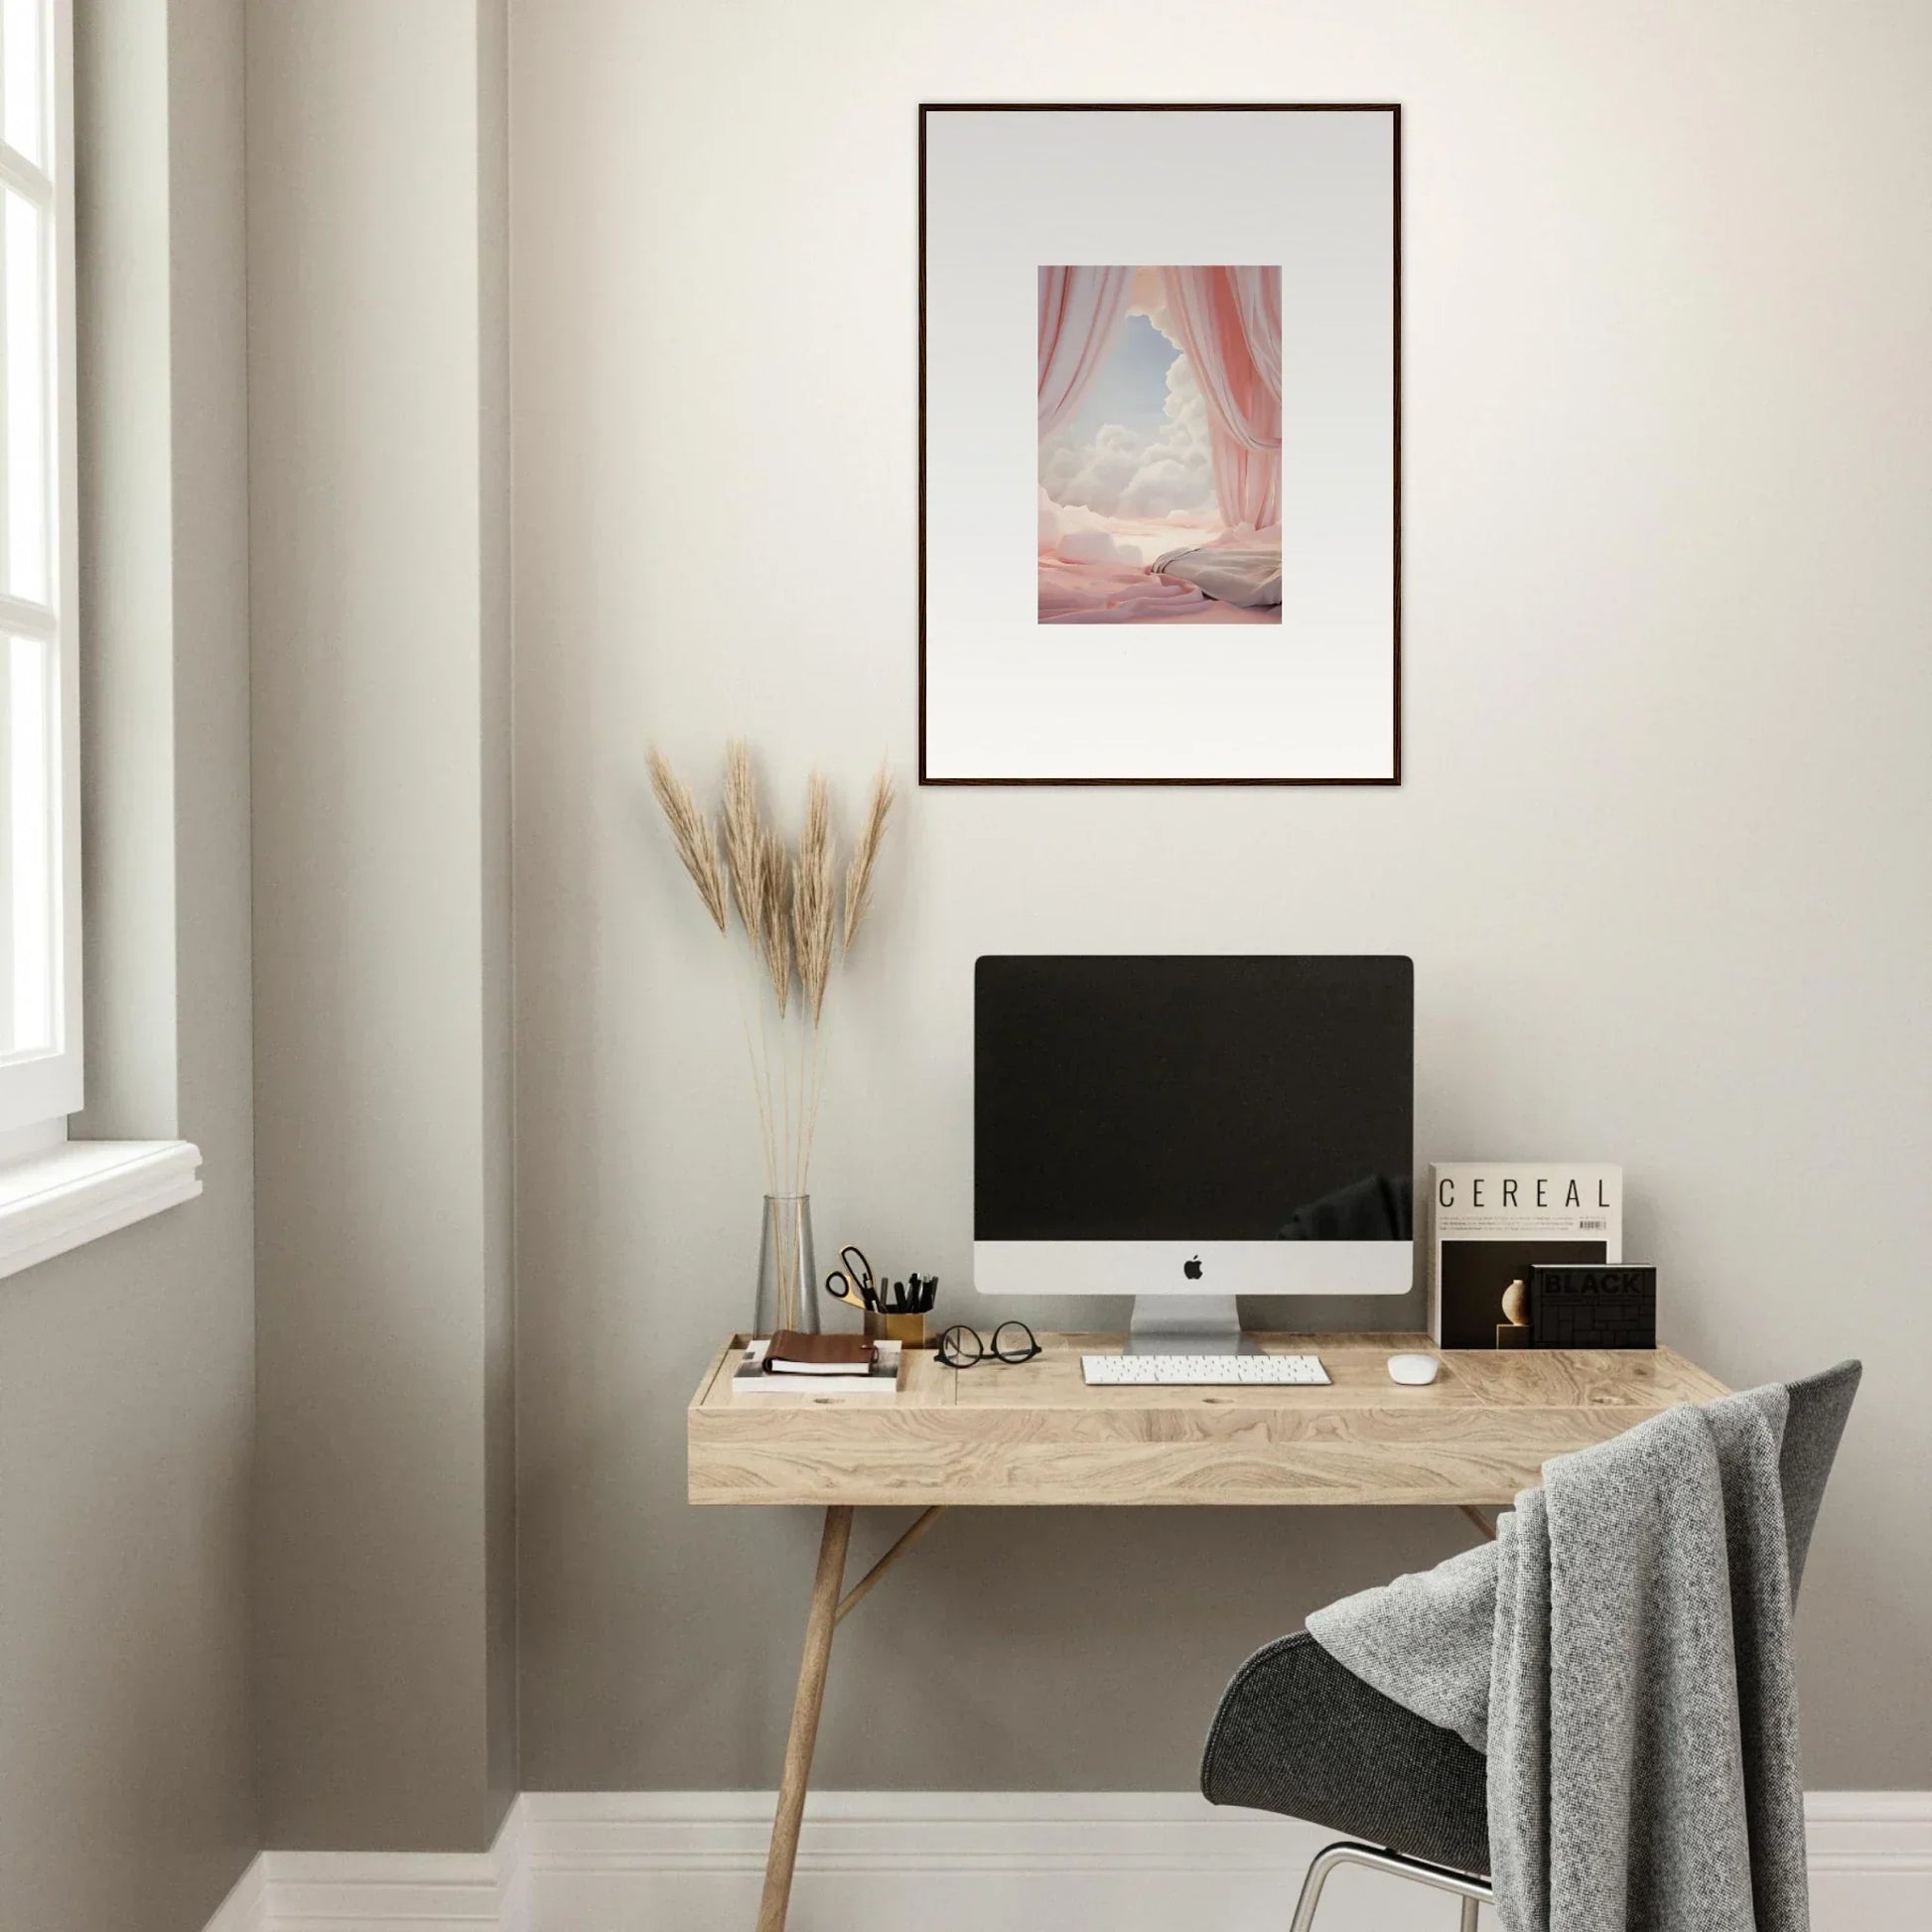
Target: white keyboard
1202	1371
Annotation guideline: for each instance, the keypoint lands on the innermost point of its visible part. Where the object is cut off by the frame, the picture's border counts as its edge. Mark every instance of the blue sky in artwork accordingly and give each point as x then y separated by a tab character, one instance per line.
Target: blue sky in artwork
1131	388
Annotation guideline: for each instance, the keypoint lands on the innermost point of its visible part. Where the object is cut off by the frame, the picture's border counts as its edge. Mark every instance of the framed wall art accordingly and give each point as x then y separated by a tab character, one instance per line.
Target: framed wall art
1164	547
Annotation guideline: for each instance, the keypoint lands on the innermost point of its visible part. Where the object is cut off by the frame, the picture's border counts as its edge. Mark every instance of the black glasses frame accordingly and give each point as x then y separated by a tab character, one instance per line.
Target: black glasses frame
952	1352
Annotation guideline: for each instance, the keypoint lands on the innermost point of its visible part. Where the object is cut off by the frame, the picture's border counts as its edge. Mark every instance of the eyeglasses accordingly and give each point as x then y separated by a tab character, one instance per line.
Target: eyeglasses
1013	1341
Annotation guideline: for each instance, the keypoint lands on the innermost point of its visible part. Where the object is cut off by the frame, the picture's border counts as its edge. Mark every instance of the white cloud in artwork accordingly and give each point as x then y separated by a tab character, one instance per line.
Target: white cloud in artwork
1095	547
1121	473
1073	532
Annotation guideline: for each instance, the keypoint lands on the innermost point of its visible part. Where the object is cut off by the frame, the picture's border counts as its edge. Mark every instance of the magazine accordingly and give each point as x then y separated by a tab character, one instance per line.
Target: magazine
1490	1220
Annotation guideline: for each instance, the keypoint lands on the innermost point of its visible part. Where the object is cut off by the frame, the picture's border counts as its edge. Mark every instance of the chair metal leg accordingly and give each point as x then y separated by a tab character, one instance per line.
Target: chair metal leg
1470	1891
1324	1862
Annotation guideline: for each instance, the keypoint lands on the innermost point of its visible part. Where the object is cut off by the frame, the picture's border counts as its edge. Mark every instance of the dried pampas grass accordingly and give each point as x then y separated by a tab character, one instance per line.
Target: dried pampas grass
692	835
774	917
858	875
744	835
789	907
814	902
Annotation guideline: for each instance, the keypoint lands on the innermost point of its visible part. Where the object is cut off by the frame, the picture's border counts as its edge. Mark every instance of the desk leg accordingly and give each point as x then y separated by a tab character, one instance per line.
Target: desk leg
819	1621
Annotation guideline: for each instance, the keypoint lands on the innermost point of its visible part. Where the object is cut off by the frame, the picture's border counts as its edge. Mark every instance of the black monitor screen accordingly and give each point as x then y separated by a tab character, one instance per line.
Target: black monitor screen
1192	1098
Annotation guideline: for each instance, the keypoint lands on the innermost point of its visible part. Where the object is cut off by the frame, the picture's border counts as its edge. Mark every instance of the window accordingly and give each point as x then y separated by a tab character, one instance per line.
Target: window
39	843
54	1192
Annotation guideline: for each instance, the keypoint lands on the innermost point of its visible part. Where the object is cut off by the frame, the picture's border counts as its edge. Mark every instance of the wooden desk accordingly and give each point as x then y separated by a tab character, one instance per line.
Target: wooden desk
1032	1432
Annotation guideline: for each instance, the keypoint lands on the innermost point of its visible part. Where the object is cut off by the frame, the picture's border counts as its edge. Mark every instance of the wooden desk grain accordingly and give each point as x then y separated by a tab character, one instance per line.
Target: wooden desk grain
1035	1434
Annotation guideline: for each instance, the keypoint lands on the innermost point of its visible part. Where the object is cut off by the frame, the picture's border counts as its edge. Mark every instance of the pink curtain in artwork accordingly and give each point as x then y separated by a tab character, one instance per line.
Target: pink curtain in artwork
1080	313
1230	324
1258	295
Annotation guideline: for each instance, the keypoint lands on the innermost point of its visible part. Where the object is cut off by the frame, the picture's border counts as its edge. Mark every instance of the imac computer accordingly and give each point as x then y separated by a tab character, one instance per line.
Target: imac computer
1188	1128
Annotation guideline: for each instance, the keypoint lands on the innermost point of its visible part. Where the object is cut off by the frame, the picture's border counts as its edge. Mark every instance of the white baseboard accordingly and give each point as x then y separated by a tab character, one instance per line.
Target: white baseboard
1870	1859
953	1862
387	1891
245	1907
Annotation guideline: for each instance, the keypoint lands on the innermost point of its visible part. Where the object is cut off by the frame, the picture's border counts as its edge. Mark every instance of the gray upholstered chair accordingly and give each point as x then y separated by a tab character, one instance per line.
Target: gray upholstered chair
1297	1733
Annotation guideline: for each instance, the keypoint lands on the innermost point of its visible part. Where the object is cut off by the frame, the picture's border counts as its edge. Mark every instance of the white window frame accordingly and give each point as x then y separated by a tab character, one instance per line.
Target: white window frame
38	1092
54	1192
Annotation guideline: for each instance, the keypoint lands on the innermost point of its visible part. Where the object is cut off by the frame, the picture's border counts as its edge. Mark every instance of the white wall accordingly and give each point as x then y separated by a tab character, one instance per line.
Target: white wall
1660	855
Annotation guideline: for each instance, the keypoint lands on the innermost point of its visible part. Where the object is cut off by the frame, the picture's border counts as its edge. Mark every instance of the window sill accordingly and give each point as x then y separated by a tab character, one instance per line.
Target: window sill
77	1191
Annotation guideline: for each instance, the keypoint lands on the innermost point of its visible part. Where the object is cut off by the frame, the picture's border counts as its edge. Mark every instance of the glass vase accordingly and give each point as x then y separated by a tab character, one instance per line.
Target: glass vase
787	1273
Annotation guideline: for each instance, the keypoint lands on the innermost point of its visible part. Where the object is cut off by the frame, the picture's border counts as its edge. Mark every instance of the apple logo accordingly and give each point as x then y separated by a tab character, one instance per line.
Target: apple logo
1192	1269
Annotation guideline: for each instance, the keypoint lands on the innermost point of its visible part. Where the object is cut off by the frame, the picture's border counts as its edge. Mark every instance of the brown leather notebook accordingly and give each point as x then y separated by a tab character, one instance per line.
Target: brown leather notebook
794	1354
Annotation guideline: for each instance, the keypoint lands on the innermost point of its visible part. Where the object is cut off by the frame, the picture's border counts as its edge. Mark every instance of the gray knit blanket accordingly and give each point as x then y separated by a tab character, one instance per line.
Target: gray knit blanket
1622	1652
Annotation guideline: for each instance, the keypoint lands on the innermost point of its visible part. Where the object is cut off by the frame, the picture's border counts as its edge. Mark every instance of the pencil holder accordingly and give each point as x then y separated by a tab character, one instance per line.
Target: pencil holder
907	1329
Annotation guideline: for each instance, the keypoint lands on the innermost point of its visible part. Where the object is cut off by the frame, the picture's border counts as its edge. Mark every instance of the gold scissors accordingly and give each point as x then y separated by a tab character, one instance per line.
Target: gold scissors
852	1281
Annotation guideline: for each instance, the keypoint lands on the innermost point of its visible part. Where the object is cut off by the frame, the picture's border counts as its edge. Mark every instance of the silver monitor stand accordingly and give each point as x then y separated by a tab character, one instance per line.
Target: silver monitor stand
1186	1325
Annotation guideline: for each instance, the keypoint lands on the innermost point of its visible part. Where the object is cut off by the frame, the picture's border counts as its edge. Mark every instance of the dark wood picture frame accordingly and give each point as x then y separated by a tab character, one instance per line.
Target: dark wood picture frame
1390	108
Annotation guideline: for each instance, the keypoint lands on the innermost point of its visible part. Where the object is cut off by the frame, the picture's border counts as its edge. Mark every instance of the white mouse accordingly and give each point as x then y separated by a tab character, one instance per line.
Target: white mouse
1413	1370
